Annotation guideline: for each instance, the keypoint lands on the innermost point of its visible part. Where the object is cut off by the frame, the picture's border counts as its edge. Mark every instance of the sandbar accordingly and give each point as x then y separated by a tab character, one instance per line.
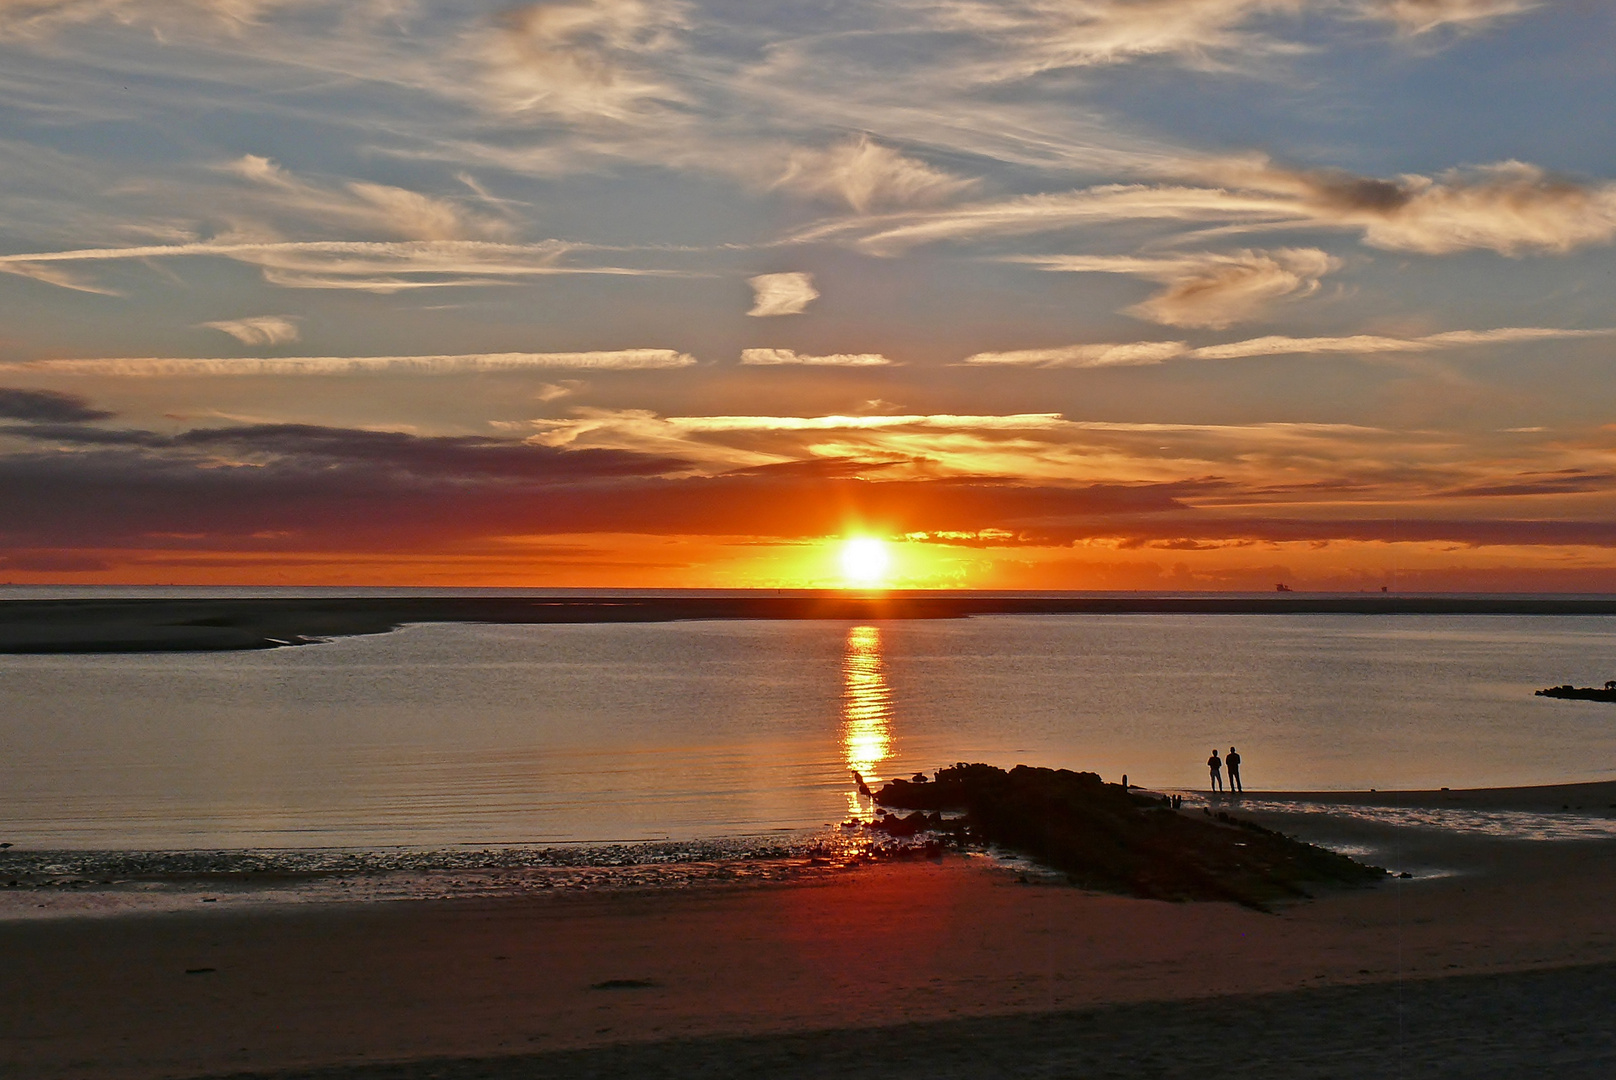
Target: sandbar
214	624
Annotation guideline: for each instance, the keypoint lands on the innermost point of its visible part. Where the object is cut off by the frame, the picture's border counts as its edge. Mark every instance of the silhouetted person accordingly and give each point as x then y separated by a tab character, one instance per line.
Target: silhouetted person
1233	761
1215	763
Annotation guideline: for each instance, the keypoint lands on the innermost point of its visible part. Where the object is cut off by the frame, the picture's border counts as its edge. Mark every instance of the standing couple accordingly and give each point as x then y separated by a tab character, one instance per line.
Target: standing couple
1216	764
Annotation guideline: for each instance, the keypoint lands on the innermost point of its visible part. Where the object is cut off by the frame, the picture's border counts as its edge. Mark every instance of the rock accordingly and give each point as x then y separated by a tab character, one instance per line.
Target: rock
1106	838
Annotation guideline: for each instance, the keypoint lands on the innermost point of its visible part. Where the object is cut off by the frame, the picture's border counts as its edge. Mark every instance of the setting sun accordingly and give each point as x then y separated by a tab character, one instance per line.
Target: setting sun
865	560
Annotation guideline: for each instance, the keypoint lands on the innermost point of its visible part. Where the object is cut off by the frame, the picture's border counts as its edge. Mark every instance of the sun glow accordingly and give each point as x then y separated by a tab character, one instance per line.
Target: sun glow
865	560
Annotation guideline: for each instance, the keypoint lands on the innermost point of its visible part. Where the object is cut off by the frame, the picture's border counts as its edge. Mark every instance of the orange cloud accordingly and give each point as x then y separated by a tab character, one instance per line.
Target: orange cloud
1208	289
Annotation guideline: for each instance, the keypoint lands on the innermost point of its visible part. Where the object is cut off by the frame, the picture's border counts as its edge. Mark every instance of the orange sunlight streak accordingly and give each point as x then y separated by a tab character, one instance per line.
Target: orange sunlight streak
866	710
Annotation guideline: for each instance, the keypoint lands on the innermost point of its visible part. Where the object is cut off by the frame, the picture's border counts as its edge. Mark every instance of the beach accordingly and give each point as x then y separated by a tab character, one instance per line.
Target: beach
1497	956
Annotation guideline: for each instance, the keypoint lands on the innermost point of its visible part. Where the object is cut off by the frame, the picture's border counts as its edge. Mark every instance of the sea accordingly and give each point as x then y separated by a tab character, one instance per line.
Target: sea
447	737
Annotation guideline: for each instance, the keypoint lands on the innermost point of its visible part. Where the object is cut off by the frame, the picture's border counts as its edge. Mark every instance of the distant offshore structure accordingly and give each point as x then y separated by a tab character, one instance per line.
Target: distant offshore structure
1581	693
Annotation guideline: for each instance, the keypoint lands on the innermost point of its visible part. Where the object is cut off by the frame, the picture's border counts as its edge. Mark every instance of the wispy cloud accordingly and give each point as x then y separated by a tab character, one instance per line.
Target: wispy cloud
1208	289
258	329
1035	36
1423	16
1143	353
367	266
152	367
866	175
363	206
781	294
1017	447
49	274
581	62
1374	343
555	391
37	18
767	357
940	422
1115	354
1509	207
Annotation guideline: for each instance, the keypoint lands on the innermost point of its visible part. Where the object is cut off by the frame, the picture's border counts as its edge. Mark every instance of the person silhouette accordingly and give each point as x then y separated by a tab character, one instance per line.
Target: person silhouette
1233	761
1215	763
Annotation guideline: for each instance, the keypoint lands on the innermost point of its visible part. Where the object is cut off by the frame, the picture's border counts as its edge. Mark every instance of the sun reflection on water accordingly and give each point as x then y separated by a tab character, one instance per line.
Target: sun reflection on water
866	711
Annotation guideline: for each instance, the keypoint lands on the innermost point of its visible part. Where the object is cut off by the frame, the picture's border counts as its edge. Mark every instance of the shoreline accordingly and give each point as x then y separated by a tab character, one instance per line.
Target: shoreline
212	624
1591	795
1423	833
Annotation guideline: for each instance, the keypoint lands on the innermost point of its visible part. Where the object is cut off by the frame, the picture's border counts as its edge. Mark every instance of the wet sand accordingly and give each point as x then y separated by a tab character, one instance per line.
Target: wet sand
1598	797
1498	958
200	625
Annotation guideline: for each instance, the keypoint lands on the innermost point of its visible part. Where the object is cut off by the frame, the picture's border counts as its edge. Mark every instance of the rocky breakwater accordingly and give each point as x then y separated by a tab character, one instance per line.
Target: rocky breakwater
1108	838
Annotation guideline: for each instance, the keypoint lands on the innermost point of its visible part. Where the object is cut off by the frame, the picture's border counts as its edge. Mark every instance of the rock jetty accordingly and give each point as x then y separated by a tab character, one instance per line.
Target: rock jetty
1105	837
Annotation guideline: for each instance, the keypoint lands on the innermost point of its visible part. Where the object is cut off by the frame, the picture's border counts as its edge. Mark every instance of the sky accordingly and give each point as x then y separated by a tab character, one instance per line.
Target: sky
1046	294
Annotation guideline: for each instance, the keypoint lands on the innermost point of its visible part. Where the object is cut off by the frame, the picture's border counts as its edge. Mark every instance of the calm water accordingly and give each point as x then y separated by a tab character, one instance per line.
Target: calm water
465	734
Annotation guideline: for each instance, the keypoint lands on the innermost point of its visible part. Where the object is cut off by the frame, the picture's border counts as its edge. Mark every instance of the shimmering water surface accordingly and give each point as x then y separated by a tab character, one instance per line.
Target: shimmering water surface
468	734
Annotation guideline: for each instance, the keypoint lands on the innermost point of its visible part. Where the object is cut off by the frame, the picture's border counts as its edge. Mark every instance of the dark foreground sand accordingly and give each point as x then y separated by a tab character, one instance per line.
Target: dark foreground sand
1554	1023
1501	964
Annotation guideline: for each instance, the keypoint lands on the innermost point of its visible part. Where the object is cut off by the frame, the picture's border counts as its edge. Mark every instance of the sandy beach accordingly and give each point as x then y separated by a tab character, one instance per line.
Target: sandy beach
1499	951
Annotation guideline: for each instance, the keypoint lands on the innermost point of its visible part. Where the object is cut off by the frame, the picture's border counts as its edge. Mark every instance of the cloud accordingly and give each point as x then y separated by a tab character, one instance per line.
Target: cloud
941	421
258	329
1019	447
866	175
54	275
362	265
555	391
1035	36
781	294
292	487
268	488
1508	207
1375	343
371	207
918	444
581	62
894	234
47	406
302	490
1326	467
1208	289
1030	37
1423	16
764	357
38	18
181	367
1126	354
1143	353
